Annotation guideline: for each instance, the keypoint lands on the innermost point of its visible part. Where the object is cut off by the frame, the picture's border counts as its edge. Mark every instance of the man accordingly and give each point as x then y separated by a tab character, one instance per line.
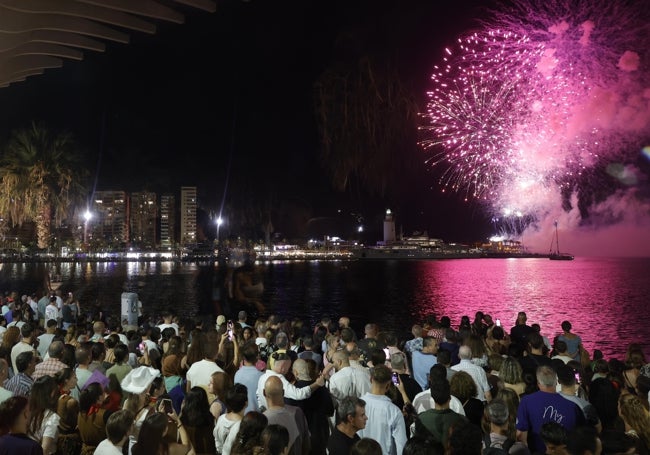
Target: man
28	333
308	353
543	406
290	417
423	360
4	374
385	420
444	359
477	373
281	367
561	352
370	342
21	383
347	381
282	344
167	322
242	317
83	358
98	332
248	375
535	356
52	311
568	388
416	343
497	414
424	401
118	428
520	331
45	339
121	367
53	364
350	418
41	305
33	304
200	372
398	364
435	423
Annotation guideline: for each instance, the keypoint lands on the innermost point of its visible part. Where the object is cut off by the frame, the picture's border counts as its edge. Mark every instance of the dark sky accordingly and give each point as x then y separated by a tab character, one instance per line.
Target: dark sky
172	108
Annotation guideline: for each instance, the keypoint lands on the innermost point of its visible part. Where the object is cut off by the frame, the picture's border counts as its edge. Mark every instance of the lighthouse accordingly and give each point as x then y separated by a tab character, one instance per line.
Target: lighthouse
389	228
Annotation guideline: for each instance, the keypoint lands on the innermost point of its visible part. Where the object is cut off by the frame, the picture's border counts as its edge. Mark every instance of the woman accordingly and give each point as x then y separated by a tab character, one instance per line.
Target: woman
275	440
573	341
219	385
198	421
152	437
195	352
14	418
236	401
10	338
634	360
637	421
479	351
247	334
248	439
140	405
69	441
511	400
463	387
44	421
171	363
228	357
497	341
512	375
92	417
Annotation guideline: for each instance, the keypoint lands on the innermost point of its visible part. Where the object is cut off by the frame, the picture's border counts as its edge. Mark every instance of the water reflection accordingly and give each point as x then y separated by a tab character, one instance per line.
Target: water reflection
605	299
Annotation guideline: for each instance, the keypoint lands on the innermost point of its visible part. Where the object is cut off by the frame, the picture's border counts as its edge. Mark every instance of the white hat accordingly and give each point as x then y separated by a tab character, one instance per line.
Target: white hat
139	379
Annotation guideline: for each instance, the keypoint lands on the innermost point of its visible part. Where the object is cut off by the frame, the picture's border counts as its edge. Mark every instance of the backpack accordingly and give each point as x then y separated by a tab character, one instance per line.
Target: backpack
491	450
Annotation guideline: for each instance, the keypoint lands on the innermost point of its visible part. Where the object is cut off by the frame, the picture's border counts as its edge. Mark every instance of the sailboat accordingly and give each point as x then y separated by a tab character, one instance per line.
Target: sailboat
556	255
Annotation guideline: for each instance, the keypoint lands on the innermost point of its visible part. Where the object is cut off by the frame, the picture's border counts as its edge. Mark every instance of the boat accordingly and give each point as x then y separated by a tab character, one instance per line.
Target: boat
555	255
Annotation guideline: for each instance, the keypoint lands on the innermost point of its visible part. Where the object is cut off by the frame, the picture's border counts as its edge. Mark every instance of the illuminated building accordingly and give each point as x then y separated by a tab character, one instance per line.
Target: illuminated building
188	215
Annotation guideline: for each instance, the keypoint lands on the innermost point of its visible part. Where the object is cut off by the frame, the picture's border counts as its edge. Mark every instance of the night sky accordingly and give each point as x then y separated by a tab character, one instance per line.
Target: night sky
171	109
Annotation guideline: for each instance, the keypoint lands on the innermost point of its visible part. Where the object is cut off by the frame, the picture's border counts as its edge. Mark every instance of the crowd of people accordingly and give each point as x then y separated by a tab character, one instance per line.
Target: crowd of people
75	383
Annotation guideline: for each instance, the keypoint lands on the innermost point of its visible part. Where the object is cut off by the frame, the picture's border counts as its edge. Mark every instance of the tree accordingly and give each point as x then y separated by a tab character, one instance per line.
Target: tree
42	179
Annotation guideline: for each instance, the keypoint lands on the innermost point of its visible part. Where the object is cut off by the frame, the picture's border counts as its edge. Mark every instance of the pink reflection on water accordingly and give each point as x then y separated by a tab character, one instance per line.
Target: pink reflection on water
595	295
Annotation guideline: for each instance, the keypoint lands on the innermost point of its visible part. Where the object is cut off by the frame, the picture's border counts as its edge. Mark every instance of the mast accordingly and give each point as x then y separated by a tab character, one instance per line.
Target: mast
557	239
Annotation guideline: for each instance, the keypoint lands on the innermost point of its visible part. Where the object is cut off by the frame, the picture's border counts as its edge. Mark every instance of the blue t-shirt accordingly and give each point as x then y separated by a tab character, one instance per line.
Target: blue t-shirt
539	408
11	444
422	363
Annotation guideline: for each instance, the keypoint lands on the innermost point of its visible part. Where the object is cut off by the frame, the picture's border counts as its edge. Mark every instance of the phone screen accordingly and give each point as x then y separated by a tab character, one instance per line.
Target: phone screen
141	347
387	354
395	378
167	405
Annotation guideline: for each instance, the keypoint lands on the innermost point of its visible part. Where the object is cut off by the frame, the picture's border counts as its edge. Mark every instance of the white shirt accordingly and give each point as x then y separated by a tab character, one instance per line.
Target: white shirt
106	447
349	381
230	440
173	325
477	373
221	431
51	312
423	402
44	342
385	424
290	390
200	372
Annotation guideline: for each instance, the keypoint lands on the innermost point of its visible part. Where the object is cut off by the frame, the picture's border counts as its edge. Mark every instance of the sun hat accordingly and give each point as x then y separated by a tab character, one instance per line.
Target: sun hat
139	379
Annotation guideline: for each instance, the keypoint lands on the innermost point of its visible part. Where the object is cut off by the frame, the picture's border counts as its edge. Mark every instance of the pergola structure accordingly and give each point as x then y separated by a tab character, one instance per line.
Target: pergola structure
40	34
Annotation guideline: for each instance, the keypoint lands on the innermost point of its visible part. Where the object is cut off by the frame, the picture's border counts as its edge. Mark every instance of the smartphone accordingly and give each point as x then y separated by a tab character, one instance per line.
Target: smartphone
230	327
141	347
387	352
167	405
395	378
577	376
498	322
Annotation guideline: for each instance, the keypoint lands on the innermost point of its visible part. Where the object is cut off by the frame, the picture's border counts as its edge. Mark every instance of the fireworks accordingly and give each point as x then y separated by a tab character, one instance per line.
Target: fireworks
543	91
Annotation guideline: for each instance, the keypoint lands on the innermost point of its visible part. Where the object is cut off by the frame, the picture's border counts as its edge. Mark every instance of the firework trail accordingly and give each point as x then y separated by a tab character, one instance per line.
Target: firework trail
543	91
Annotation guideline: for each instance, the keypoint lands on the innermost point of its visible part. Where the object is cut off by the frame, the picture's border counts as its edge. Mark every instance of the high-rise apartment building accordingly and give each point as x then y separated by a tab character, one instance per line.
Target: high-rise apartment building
167	220
109	222
142	219
188	215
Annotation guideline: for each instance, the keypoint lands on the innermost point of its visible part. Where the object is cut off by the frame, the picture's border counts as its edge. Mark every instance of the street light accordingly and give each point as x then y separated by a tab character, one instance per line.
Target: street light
219	222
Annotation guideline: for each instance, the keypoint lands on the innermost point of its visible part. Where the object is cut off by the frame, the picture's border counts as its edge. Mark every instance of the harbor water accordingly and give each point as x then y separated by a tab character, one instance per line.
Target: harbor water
605	299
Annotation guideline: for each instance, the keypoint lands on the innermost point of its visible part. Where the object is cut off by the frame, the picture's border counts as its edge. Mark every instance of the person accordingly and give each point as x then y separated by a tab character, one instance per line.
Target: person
118	428
249	375
275	440
200	372
566	378
121	367
151	440
4	374
290	417
46	338
535	355
347	381
477	373
463	387
499	432
198	421
44	421
398	364
573	341
218	386
637	421
424	359
236	399
464	438
14	418
511	374
246	440
92	417
543	406
561	353
67	408
21	383
583	441
434	424
136	386
554	436
366	446
53	364
385	420
520	331
350	418
28	332
424	401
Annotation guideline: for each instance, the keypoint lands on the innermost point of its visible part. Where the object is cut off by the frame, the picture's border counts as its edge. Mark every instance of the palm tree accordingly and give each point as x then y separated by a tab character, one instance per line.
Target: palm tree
42	177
